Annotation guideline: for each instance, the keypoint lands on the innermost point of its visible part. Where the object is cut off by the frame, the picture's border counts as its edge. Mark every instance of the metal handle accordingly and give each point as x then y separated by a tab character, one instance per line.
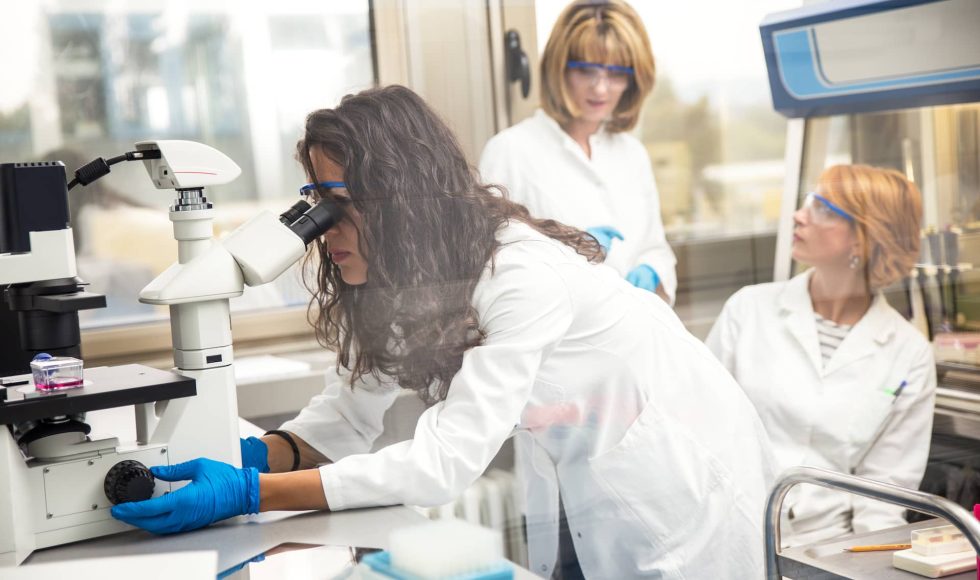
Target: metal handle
886	492
518	65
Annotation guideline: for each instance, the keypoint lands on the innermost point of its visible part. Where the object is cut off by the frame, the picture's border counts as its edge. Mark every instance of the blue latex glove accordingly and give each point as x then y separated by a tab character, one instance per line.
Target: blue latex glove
605	236
216	491
255	453
644	276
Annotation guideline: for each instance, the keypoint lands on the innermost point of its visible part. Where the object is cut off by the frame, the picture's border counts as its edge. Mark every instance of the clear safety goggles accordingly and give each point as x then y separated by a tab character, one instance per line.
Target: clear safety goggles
821	210
592	73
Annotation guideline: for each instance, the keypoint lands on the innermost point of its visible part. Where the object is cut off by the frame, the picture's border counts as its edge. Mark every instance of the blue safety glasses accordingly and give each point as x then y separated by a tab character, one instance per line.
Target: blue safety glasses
316	190
822	210
592	72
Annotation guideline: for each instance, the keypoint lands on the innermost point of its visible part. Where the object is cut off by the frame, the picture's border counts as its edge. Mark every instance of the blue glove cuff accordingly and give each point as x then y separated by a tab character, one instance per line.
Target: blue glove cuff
644	277
255	453
605	236
252	496
653	273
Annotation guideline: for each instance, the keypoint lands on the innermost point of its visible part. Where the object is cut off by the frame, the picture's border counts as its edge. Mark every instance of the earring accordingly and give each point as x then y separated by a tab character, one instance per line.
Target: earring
854	262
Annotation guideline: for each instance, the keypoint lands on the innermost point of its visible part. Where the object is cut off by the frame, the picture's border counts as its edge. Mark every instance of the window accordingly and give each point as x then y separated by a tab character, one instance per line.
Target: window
91	78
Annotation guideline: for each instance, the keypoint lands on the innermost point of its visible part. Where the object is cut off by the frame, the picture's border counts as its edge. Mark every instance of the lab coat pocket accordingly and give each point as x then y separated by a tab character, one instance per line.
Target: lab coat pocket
665	483
869	416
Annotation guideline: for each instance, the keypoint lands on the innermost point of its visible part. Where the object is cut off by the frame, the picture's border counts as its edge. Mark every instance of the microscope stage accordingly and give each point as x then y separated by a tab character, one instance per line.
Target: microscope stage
105	388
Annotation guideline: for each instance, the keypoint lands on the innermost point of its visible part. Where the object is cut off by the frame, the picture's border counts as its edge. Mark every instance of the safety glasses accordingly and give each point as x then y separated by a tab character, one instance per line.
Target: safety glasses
317	191
822	210
592	73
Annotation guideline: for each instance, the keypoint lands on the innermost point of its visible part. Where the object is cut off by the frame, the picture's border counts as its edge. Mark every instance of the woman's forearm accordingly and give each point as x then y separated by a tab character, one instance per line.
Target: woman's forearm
281	454
298	490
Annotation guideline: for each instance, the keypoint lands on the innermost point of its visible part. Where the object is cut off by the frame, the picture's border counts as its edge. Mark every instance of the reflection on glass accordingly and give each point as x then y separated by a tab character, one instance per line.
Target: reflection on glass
239	77
715	144
937	148
300	562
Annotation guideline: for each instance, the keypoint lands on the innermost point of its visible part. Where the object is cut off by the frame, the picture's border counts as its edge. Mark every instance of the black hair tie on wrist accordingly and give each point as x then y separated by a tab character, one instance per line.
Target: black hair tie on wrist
292	444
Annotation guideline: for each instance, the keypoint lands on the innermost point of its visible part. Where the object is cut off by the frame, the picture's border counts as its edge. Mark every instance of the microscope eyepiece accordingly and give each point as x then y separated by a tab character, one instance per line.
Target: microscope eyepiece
292	214
317	220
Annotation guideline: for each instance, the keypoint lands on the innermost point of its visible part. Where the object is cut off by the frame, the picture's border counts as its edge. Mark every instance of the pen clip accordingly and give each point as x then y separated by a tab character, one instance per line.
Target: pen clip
898	391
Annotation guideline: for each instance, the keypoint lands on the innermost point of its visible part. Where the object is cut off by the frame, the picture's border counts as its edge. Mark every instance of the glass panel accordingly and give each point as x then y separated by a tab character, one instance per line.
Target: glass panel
936	147
91	78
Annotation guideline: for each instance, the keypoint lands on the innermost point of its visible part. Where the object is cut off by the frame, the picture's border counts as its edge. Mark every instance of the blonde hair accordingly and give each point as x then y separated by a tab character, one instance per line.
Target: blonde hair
607	32
887	211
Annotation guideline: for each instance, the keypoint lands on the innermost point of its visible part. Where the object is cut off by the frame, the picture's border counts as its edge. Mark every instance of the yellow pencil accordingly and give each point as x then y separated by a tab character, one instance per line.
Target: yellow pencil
878	547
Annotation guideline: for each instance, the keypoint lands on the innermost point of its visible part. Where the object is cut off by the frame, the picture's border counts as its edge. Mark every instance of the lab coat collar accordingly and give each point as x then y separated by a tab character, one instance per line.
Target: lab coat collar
875	328
517	231
566	140
553	127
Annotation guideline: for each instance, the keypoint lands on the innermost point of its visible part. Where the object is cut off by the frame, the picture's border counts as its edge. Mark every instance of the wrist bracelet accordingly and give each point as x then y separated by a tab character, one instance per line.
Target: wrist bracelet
292	444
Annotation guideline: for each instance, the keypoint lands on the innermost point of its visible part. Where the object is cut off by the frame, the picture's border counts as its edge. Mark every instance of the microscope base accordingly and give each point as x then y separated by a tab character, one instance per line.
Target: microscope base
62	498
53	503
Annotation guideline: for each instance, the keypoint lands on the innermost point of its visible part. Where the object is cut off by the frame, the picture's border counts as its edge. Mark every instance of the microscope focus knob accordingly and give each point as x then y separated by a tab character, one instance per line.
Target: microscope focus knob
128	480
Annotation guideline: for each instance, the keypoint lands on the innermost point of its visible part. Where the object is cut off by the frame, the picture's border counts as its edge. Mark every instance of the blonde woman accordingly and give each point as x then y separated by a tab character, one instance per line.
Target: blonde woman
574	161
840	379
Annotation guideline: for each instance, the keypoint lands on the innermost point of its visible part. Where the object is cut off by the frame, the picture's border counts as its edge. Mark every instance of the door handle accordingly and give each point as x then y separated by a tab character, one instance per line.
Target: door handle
518	65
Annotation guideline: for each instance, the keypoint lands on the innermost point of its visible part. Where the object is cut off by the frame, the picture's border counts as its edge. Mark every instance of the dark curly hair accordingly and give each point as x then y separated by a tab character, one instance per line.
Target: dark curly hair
428	232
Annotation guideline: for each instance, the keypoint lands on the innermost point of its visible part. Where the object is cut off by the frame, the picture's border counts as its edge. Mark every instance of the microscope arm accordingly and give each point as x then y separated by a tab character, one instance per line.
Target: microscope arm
264	248
258	252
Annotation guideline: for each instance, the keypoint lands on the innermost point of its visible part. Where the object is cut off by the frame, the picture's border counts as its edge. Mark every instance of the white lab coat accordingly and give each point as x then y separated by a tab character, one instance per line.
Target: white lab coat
543	168
841	417
662	463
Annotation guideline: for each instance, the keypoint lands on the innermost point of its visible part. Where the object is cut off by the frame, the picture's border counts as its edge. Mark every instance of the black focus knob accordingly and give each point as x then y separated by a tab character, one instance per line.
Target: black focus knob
128	480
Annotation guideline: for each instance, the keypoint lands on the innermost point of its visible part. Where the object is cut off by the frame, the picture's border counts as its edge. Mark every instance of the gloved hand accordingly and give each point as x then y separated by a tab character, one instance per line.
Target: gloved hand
255	453
644	276
217	491
605	236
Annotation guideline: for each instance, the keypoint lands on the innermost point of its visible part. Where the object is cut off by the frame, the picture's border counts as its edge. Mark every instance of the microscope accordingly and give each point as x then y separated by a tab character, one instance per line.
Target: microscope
57	478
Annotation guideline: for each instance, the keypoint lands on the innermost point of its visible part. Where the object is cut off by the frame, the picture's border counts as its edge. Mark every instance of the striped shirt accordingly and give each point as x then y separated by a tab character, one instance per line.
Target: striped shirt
831	335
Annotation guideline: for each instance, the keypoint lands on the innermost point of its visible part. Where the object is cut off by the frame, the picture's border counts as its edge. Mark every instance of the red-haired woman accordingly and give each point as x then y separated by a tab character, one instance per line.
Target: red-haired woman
840	379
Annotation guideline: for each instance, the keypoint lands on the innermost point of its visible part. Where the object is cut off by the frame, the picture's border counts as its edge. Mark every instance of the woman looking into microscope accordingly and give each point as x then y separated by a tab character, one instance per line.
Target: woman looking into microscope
505	325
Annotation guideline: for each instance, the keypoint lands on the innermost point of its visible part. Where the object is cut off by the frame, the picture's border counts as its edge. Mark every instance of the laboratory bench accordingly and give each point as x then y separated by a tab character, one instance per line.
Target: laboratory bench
241	539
